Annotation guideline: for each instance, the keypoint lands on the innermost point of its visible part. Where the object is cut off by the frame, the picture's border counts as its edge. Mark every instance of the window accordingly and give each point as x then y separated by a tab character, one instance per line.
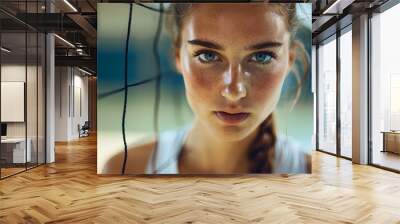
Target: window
385	89
327	96
346	93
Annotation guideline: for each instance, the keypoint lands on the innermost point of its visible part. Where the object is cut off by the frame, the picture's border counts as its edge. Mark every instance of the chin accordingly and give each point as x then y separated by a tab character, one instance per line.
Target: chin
231	132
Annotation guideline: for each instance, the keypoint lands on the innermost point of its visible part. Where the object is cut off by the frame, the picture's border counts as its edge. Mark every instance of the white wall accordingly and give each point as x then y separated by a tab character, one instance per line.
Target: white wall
17	73
81	88
71	93
12	73
33	127
62	81
12	101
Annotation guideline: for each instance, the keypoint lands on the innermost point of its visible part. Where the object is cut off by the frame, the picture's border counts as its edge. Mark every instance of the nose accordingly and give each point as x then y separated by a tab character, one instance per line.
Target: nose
234	87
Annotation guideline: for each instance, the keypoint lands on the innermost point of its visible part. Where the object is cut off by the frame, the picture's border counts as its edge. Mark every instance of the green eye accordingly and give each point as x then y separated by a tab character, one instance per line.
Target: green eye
261	57
208	57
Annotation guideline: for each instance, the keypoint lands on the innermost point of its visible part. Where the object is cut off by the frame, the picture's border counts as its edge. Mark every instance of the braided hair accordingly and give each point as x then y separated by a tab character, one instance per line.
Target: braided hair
262	149
261	152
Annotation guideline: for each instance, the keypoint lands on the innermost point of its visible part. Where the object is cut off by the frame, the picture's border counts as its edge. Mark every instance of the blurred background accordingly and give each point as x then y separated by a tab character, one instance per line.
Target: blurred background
174	111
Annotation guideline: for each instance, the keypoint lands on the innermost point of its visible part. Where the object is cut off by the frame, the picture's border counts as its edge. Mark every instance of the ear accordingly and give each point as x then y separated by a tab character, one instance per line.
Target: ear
292	55
178	64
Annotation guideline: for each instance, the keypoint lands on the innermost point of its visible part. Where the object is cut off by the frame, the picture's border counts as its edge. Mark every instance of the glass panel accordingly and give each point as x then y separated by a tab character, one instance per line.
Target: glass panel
327	96
385	89
346	94
13	87
23	82
41	99
32	88
31	100
2	129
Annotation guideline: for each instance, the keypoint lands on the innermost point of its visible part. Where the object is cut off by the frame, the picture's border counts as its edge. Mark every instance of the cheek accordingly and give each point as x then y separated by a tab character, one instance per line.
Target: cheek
200	83
266	86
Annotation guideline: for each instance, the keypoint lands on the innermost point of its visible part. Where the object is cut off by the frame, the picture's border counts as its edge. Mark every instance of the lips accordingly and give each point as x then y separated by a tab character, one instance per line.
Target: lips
231	118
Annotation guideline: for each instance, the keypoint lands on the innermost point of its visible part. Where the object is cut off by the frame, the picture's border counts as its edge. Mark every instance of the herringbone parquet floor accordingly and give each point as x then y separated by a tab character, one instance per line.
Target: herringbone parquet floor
69	191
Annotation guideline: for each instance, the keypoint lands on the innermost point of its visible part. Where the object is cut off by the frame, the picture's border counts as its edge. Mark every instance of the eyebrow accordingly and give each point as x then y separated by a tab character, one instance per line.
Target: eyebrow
264	45
205	43
210	44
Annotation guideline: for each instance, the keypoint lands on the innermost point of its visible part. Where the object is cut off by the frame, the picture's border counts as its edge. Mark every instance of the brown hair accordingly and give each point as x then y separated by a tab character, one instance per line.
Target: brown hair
261	152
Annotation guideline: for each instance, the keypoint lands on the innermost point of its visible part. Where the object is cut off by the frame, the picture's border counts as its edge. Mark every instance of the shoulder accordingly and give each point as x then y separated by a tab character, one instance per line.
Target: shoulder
140	154
136	163
168	150
291	156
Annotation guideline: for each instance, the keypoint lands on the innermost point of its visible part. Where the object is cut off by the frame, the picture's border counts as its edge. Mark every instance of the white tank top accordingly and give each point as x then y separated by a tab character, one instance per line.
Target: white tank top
290	157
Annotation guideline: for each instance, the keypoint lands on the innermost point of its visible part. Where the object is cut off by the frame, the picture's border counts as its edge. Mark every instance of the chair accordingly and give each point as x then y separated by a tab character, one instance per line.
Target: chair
84	130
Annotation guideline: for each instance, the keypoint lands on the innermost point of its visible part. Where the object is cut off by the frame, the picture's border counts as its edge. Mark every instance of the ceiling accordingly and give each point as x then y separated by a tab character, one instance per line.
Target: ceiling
332	15
77	25
76	22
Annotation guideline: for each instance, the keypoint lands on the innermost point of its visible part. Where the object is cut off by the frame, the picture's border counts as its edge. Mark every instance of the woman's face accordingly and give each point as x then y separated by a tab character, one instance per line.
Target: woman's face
234	59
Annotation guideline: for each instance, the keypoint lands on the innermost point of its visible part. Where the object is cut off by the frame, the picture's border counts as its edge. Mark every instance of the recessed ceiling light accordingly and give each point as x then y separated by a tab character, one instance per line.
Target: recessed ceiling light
84	71
338	6
64	40
70	5
5	50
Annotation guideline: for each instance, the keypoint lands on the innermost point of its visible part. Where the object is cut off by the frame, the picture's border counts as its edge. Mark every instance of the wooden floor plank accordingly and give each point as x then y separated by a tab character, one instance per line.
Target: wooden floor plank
70	191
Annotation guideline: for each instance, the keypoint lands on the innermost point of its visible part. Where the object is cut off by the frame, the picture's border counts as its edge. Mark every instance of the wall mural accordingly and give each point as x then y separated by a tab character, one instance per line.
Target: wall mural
200	88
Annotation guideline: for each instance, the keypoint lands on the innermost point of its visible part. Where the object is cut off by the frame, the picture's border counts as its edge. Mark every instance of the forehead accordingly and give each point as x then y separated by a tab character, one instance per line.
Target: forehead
233	23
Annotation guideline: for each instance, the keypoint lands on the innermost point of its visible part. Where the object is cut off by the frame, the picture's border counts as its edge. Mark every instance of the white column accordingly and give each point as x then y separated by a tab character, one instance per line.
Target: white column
50	110
50	94
360	90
